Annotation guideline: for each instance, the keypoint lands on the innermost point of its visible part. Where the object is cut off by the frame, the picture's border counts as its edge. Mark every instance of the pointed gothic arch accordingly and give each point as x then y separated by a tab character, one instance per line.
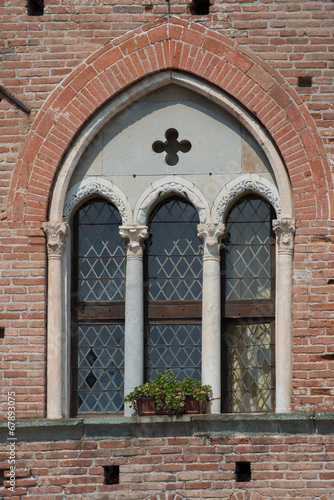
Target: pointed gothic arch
165	45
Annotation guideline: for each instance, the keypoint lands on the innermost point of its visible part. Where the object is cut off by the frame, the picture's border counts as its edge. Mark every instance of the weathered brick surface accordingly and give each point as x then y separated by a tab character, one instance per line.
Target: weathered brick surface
282	466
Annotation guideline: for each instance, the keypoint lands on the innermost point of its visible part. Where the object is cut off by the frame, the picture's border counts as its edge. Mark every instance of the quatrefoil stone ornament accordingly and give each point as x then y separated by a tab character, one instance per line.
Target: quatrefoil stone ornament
171	146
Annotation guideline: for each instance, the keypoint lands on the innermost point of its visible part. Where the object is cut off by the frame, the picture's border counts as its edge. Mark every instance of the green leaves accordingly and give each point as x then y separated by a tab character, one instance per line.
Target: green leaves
170	393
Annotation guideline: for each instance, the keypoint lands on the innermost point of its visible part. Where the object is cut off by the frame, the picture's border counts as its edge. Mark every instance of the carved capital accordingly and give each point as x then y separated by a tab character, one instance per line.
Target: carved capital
134	236
285	229
56	233
211	235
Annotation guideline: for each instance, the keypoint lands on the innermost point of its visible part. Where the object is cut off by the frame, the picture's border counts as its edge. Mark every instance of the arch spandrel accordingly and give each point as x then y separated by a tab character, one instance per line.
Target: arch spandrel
98	76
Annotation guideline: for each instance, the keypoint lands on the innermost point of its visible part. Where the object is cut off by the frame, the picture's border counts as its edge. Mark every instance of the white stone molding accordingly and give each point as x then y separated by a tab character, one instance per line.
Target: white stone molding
285	230
171	184
56	233
96	186
247	183
134	236
211	235
134	309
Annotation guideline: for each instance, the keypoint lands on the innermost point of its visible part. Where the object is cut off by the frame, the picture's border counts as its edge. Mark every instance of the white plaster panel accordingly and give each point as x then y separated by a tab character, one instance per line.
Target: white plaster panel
127	147
222	148
90	162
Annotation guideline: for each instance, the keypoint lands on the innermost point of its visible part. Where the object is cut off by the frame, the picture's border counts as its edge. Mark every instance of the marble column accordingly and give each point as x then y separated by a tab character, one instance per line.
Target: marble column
211	235
56	233
134	309
284	229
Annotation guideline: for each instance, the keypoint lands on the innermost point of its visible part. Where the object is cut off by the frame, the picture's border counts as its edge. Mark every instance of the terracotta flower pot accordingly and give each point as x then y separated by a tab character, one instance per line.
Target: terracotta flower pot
193	407
146	405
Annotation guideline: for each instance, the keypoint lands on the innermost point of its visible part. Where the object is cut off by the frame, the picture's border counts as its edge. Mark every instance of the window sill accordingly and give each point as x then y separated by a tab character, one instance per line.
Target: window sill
165	426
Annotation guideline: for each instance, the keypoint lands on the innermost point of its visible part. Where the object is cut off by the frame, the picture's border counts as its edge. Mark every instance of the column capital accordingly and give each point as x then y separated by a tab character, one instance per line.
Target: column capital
56	233
285	229
211	235
134	236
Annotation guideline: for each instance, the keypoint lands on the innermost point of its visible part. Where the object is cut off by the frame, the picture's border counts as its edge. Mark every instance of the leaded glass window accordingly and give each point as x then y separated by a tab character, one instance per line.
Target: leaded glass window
98	276
248	345
173	288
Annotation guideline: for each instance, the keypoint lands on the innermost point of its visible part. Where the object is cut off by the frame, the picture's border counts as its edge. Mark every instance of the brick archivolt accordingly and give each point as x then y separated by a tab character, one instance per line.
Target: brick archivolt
168	44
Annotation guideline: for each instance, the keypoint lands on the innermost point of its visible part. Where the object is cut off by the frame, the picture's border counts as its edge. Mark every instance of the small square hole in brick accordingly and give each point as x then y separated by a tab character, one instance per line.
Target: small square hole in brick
200	7
35	7
304	81
242	472
111	474
2	476
2	332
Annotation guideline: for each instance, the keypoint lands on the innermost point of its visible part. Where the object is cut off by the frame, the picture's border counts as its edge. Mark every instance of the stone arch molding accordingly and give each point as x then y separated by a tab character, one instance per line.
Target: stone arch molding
247	183
99	186
164	187
162	49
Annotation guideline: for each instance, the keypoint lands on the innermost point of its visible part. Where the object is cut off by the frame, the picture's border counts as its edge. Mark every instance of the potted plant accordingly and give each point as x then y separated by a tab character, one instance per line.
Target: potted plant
166	395
169	397
196	395
142	399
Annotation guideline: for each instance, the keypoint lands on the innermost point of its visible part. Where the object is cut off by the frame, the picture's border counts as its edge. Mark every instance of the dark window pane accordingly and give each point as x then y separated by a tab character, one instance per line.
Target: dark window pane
99	261
100	368
174	257
174	346
248	250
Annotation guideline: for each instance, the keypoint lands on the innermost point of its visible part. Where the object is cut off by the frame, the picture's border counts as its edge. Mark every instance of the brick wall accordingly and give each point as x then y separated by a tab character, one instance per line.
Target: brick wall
173	468
22	310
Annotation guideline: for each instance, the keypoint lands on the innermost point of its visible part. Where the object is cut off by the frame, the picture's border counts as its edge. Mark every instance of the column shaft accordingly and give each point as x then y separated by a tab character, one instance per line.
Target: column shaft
211	235
284	229
134	310
284	334
211	338
56	233
55	340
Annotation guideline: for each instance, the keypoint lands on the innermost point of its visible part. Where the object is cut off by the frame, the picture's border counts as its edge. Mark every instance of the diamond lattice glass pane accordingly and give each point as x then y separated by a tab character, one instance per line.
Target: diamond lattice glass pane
249	367
100	368
174	346
247	250
174	257
99	261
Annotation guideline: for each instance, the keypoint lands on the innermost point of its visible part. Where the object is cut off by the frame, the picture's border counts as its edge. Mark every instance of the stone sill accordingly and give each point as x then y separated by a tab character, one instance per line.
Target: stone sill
165	426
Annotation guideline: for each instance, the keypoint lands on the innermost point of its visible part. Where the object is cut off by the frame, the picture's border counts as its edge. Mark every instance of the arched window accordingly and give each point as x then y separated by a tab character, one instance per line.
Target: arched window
249	307
98	276
173	289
